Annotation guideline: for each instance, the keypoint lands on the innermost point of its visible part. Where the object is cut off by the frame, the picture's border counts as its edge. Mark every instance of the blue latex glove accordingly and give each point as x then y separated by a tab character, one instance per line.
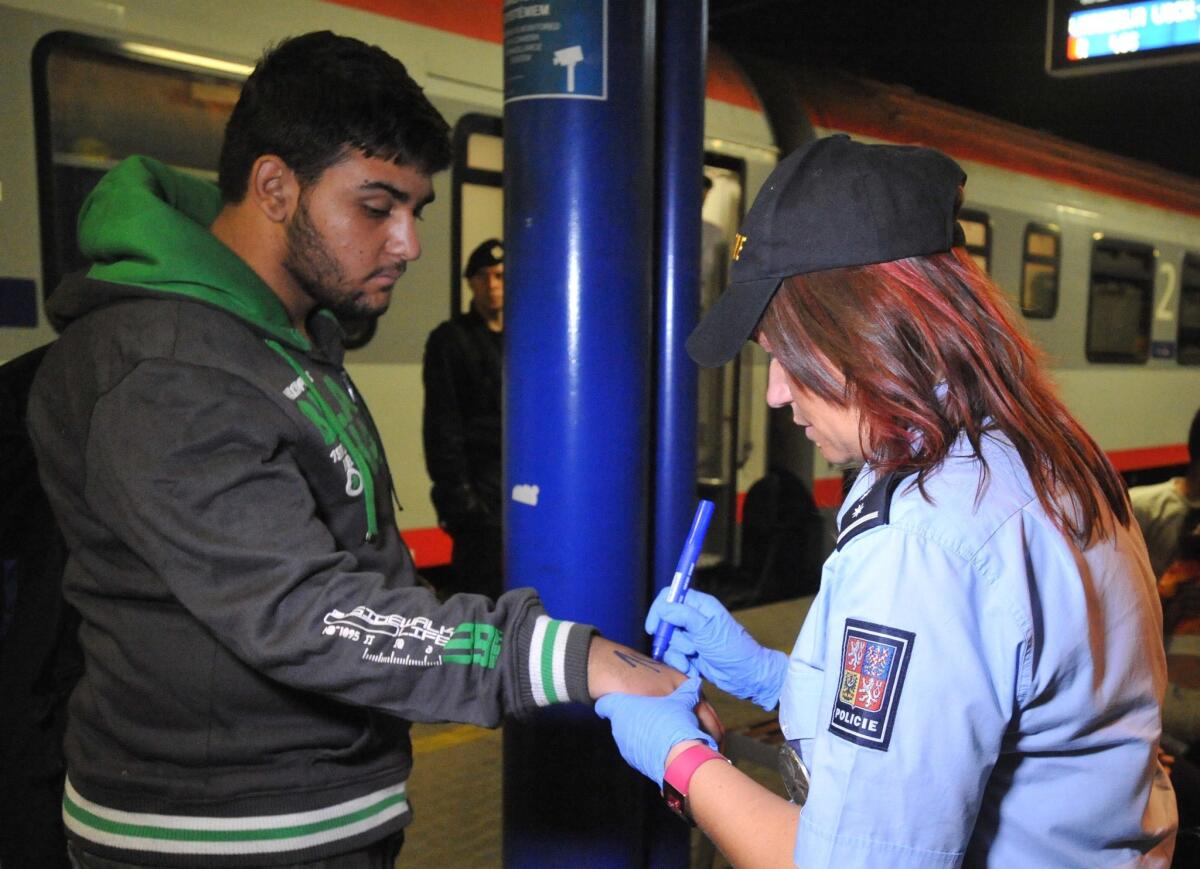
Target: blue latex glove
645	728
707	640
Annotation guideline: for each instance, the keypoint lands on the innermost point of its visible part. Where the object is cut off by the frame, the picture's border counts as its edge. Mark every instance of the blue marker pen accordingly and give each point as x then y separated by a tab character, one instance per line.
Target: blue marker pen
683	574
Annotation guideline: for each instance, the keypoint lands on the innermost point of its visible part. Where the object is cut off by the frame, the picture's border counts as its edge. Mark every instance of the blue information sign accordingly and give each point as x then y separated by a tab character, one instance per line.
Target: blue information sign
556	49
1085	35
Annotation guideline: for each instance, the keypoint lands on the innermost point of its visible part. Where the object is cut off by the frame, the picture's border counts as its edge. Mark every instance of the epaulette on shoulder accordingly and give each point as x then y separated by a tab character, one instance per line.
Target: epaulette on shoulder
871	510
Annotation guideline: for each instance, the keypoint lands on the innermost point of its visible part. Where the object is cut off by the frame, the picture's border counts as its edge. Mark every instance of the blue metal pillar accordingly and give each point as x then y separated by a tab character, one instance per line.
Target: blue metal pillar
579	233
682	48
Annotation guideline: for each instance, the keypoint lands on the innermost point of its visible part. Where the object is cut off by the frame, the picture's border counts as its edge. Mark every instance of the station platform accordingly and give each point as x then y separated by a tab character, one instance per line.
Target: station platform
455	788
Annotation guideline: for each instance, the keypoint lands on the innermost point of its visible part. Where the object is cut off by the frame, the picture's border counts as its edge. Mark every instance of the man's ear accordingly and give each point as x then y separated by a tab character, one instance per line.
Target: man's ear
273	187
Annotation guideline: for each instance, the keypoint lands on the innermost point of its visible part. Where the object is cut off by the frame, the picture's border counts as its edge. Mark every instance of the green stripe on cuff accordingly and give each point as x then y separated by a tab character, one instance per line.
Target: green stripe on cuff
548	661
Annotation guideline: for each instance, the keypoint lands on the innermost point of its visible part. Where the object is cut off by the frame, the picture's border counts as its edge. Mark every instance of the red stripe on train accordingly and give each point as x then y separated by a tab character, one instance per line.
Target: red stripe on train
726	83
430	547
1149	457
827	491
478	19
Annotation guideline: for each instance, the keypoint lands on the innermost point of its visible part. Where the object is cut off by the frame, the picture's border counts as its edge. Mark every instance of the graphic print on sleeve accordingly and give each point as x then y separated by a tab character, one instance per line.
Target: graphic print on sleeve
874	663
415	642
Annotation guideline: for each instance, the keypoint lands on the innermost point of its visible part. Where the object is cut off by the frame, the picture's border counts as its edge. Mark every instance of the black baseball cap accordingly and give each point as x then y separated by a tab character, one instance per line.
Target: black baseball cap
489	253
831	203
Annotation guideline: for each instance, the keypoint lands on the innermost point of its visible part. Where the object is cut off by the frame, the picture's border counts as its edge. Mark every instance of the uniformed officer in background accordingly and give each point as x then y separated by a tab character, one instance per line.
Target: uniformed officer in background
462	426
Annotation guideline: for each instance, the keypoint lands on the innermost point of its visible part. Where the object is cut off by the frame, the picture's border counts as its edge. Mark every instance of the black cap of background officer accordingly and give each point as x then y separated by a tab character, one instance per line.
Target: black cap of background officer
489	253
830	204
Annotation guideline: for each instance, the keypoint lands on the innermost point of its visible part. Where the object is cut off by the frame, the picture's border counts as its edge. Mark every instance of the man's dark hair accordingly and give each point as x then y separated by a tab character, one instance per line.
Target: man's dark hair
312	97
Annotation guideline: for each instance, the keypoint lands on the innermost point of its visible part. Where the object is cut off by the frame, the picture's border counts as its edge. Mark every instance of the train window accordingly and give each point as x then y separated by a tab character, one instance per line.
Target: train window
477	206
1039	271
1119	301
97	103
1189	311
977	229
485	151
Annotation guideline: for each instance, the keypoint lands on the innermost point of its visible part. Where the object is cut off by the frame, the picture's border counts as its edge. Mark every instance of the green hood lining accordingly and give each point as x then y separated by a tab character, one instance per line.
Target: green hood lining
146	225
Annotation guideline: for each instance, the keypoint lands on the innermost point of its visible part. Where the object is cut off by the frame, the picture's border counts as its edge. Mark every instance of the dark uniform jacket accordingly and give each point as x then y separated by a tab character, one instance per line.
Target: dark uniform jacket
462	424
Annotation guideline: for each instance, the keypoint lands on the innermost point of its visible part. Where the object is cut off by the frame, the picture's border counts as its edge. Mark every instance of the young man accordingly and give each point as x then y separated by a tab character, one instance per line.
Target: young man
254	635
462	424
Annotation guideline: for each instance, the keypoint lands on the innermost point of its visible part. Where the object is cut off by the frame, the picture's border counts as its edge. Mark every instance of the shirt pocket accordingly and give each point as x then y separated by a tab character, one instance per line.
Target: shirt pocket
800	709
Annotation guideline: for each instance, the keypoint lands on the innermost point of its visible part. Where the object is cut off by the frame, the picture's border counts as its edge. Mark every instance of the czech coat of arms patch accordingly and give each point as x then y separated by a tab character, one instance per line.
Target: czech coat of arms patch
874	664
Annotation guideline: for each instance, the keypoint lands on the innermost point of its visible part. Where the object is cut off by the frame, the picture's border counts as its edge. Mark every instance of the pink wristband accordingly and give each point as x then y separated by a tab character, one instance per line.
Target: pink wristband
678	773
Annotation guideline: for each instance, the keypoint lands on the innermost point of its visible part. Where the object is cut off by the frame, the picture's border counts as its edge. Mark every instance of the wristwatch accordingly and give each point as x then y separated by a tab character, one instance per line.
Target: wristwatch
678	775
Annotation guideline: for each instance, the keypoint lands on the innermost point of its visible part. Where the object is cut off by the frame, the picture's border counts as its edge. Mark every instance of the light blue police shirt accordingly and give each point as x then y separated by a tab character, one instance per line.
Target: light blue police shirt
970	687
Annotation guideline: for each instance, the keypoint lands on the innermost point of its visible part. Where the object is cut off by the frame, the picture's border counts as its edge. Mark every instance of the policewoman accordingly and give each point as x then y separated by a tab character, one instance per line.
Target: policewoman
979	680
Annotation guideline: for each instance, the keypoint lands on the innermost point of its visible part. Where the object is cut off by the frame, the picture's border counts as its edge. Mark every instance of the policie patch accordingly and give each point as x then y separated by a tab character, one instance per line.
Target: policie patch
874	661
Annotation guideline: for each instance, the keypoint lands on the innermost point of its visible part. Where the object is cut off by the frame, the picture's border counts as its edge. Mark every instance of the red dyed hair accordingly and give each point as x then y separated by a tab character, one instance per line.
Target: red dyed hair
928	349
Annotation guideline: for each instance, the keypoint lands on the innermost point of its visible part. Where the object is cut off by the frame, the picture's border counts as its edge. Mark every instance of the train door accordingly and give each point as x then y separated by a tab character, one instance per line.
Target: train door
722	443
97	102
1119	301
476	214
478	196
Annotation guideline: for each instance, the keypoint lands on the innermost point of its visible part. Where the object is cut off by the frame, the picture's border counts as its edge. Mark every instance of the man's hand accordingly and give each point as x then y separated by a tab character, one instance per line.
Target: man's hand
616	668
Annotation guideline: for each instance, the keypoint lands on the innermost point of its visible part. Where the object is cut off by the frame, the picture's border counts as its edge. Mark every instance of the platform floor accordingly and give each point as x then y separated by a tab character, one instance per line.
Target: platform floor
455	787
